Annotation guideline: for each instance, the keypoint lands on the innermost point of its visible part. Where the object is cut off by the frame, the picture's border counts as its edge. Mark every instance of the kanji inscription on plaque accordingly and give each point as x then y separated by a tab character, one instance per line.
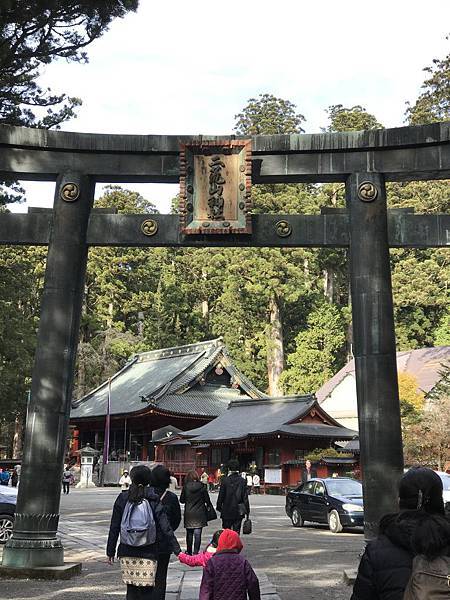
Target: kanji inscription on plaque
215	187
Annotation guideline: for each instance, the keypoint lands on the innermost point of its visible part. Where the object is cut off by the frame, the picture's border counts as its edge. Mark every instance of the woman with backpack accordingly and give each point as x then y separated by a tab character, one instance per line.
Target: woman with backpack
196	499
142	523
419	528
161	483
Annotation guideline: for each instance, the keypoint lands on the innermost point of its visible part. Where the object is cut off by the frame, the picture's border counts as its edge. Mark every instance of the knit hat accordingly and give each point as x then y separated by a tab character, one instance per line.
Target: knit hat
229	540
420	488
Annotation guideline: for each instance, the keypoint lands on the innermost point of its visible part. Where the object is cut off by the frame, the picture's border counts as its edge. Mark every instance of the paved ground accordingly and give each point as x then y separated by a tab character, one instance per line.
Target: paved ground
305	563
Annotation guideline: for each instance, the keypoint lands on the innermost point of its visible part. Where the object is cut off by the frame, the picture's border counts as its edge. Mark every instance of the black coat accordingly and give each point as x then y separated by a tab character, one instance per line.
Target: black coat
173	511
195	497
386	564
233	491
165	537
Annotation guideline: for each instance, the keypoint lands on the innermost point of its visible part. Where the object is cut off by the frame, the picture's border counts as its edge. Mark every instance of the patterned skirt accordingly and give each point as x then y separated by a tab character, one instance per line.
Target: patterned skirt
138	571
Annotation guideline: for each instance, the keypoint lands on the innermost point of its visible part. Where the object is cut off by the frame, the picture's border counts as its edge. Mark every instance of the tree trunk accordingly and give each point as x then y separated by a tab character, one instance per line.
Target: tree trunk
275	349
328	284
18	437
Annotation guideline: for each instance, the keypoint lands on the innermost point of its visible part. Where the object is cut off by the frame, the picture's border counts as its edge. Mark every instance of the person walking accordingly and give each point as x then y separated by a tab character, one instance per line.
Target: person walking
195	497
125	481
173	482
139	545
232	502
160	482
14	478
228	575
204	477
200	560
66	480
256	483
386	565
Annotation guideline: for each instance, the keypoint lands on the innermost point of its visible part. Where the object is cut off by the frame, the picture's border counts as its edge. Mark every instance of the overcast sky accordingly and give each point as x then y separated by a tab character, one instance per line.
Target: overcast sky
178	67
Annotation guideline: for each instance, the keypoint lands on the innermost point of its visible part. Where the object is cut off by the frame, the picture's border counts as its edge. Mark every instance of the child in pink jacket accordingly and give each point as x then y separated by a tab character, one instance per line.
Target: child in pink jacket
200	560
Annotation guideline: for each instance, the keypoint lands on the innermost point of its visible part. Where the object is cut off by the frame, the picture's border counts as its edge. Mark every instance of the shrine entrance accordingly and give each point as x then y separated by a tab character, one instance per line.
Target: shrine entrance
215	176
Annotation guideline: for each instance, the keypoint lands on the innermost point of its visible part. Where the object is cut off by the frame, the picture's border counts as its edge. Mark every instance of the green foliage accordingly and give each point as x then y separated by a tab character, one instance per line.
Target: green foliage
441	391
33	35
318	350
318	454
433	104
21	281
355	118
267	115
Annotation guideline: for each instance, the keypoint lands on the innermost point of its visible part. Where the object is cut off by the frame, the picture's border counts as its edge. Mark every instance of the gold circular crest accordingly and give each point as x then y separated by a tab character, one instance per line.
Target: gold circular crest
283	228
70	192
367	191
149	227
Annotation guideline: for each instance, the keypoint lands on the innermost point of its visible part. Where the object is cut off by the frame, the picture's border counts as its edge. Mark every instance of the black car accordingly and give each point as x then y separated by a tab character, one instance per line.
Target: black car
8	498
335	500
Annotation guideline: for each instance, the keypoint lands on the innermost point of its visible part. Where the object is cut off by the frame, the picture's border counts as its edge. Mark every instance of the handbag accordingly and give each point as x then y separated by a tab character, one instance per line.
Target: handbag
247	527
211	514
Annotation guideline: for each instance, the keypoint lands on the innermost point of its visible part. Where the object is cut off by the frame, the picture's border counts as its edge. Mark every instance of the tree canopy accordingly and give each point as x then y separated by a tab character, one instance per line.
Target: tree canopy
34	34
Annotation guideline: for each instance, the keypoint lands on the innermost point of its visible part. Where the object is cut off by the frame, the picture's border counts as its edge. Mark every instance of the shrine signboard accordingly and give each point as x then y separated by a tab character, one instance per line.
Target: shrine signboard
215	187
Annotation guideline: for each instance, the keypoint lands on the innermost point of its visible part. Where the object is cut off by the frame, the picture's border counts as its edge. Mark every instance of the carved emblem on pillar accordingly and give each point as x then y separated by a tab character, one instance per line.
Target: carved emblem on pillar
215	187
367	191
70	192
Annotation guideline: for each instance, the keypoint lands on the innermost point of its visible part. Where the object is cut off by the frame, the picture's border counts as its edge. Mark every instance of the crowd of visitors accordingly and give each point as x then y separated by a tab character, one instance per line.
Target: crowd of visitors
410	559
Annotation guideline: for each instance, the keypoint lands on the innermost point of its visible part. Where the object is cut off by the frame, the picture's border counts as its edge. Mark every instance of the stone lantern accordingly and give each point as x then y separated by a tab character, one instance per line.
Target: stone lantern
87	466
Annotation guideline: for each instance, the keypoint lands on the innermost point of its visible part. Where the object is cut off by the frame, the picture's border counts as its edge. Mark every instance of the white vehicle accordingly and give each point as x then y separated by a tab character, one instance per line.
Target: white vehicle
446	484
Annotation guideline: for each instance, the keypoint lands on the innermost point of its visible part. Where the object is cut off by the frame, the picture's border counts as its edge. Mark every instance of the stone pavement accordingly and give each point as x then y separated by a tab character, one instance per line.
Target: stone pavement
85	542
305	563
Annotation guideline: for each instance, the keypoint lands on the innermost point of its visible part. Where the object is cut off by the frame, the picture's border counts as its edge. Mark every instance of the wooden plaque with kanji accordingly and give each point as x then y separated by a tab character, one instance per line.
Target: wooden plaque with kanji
215	187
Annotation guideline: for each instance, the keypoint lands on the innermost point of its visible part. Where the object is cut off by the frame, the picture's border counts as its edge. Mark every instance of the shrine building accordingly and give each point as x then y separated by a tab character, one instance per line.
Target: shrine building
176	388
272	436
191	408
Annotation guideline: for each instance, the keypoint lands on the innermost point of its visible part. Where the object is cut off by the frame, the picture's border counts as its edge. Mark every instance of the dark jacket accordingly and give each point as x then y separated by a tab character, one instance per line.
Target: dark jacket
386	564
173	511
165	537
233	491
229	575
195	497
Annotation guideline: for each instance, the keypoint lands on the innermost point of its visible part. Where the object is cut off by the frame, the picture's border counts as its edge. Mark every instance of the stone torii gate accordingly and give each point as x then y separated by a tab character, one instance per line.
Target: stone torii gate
363	160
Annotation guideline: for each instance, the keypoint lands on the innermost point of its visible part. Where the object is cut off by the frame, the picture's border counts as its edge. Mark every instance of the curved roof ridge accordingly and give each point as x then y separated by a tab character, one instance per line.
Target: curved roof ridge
177	350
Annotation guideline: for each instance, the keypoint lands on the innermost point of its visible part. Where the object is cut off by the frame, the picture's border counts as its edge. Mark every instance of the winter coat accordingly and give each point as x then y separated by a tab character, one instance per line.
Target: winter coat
173	511
228	574
195	497
386	564
164	533
233	491
197	560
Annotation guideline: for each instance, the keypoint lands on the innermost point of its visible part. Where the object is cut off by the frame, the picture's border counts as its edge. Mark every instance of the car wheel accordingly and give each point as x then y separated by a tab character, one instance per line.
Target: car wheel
334	522
296	518
6	527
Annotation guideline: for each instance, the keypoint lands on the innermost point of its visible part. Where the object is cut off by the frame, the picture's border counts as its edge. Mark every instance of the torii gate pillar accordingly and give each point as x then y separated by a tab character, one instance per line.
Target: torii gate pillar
374	346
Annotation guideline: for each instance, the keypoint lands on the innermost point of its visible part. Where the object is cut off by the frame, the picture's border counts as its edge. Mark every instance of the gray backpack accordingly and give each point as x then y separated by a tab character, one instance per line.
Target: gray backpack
430	579
138	527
